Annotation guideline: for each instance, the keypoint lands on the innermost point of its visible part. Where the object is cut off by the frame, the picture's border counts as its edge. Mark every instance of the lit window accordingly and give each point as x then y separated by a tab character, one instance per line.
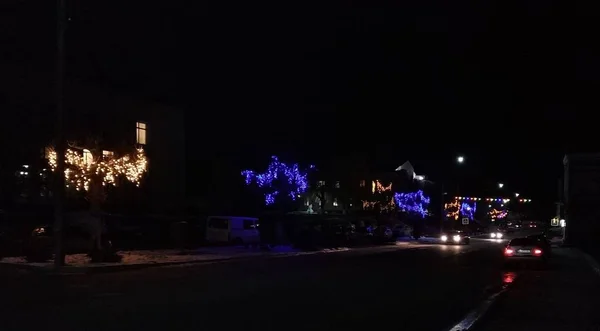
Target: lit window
320	183
363	183
88	158
337	184
140	133
335	202
108	153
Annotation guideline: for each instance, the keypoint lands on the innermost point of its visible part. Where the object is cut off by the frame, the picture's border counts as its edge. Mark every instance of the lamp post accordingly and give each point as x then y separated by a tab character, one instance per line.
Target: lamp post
500	185
59	187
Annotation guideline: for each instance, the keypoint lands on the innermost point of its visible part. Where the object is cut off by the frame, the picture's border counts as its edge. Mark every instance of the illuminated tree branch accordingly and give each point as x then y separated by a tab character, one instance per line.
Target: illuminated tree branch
82	168
280	180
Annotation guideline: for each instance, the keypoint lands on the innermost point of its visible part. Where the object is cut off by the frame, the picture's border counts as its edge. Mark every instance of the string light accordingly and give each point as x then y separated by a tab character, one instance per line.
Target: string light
377	187
468	211
452	209
80	168
383	206
296	180
502	200
415	202
495	213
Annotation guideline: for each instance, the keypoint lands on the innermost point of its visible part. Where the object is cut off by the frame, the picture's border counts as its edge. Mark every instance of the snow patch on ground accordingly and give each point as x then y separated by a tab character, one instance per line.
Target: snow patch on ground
173	256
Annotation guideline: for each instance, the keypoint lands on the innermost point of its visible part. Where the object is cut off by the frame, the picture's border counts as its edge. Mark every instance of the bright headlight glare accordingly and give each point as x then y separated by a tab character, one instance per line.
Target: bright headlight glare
444	238
499	235
456	238
493	235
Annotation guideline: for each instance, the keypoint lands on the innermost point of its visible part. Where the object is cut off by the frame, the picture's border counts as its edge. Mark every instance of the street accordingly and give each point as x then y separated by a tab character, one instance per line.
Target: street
409	287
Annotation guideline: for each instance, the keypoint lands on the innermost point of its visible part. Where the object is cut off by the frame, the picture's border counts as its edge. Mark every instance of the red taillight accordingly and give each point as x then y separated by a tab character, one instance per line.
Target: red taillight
537	251
508	251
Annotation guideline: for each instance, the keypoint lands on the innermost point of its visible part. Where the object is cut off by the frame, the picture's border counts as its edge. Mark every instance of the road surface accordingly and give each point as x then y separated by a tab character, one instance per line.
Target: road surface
408	287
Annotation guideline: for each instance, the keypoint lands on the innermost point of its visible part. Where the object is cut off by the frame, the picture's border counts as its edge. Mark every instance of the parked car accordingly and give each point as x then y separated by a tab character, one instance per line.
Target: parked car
235	230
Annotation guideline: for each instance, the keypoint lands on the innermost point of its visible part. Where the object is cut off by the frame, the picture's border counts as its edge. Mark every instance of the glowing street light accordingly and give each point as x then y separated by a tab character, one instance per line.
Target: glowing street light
516	195
500	185
460	159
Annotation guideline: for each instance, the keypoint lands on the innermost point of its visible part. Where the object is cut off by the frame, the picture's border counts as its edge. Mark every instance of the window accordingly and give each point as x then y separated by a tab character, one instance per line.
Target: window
88	158
337	184
320	183
140	133
108	153
335	202
363	183
218	223
249	225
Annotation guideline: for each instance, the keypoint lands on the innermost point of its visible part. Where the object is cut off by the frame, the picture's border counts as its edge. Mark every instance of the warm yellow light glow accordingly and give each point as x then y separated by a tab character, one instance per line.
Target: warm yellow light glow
80	167
452	209
378	187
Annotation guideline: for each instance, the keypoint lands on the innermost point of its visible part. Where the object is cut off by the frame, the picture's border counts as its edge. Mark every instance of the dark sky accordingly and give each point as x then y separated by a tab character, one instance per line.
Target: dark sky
505	83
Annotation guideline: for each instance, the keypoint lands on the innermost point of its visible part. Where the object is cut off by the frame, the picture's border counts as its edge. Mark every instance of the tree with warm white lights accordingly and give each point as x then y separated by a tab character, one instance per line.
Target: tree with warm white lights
90	173
82	168
280	183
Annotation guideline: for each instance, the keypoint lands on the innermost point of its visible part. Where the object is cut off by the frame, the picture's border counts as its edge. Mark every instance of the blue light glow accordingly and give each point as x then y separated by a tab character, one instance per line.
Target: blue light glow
296	180
468	211
415	202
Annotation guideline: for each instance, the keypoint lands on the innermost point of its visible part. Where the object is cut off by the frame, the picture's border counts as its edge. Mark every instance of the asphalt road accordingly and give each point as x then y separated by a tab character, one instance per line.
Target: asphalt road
409	287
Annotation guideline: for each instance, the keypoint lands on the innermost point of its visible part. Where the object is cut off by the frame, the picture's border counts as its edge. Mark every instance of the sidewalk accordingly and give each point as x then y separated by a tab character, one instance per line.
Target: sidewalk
80	263
563	297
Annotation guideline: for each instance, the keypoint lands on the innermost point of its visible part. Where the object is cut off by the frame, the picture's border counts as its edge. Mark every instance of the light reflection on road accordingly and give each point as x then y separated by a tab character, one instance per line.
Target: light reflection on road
508	277
455	248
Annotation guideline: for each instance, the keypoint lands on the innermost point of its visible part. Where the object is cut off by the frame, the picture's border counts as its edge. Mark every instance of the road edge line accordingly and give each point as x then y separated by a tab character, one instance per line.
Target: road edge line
478	313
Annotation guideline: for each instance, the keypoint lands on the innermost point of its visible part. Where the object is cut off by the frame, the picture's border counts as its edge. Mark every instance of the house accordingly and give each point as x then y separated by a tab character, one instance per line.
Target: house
359	190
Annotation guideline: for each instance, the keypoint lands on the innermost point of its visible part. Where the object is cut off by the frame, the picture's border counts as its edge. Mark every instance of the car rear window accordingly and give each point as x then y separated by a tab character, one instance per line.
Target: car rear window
521	242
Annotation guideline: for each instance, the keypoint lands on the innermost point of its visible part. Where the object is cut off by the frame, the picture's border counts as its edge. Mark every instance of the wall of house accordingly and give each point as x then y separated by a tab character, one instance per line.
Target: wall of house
110	121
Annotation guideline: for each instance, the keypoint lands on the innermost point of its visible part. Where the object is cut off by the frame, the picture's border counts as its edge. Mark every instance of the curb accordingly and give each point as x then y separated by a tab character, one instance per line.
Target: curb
590	261
71	270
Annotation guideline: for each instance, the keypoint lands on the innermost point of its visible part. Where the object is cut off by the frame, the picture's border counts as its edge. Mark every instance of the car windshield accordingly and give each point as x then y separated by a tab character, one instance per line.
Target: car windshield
521	242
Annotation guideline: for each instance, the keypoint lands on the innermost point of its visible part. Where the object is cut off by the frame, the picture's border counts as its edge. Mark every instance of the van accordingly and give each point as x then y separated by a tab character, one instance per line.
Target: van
236	230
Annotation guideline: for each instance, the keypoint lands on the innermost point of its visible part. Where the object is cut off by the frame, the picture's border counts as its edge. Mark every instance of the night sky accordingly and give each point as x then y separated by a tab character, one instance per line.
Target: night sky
503	83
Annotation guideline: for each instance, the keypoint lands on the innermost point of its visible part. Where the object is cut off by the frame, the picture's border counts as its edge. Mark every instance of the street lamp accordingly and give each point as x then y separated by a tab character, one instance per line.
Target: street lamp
460	159
516	195
500	185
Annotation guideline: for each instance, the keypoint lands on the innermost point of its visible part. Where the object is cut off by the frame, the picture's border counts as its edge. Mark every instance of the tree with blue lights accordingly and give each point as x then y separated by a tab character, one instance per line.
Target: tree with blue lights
413	203
280	182
467	211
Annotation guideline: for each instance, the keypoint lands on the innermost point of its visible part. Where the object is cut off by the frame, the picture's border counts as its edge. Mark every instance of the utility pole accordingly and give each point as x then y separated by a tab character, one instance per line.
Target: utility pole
59	189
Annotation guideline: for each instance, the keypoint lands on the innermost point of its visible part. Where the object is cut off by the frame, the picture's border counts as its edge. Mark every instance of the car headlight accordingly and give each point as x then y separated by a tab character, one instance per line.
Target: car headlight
456	238
493	235
444	238
39	231
499	235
